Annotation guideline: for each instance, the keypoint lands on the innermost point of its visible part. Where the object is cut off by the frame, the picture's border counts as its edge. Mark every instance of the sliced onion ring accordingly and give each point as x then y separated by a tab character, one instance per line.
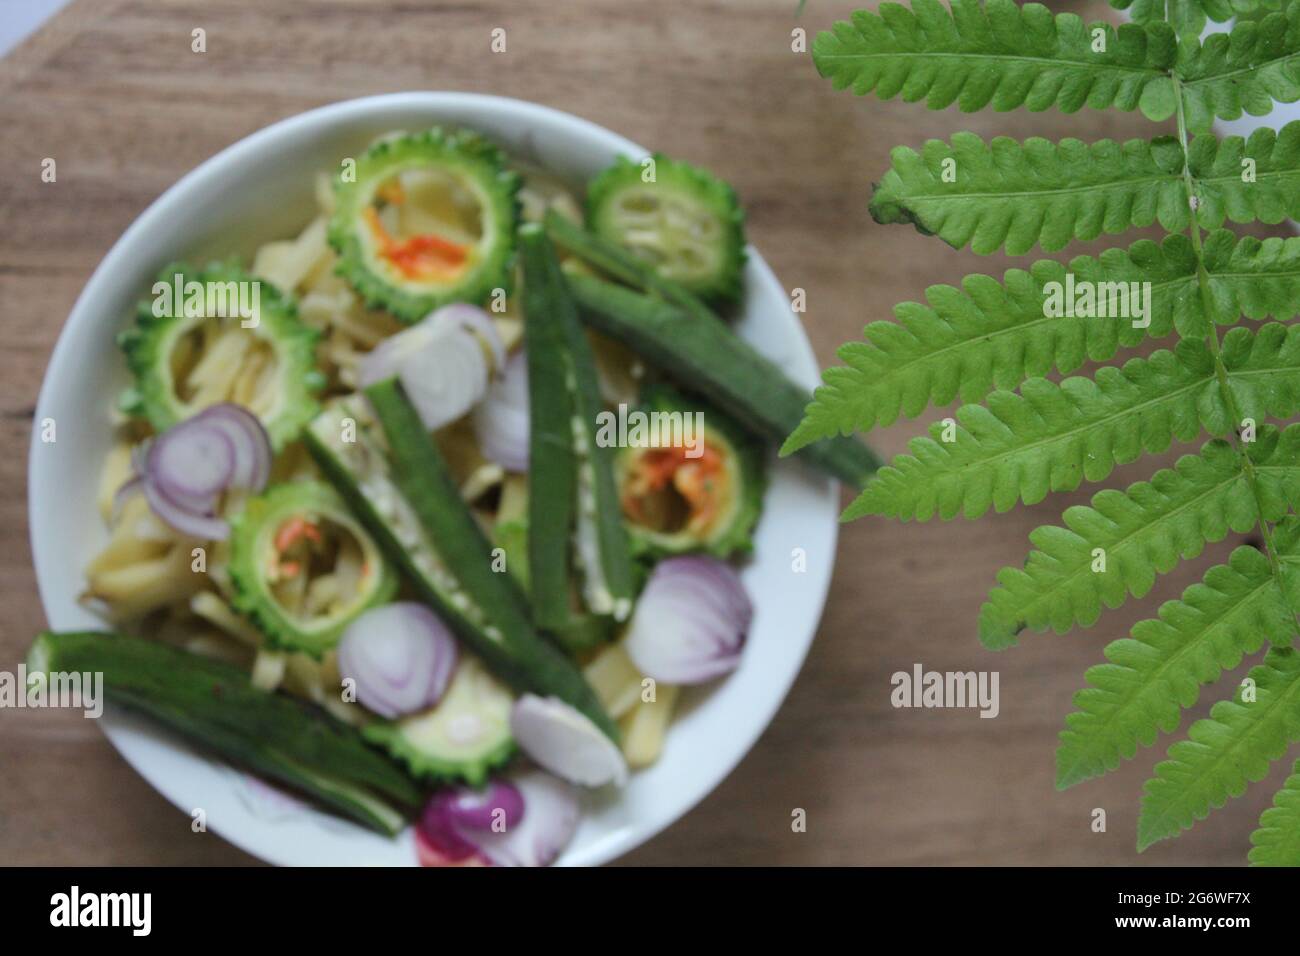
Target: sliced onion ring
253	454
473	319
566	742
550	819
401	657
691	621
192	463
184	471
501	419
440	362
539	813
500	803
206	526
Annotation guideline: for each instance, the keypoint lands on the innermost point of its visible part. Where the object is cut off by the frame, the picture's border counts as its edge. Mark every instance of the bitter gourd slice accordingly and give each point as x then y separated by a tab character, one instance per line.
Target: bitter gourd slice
189	348
618	263
213	704
693	482
682	220
412	275
302	566
462	737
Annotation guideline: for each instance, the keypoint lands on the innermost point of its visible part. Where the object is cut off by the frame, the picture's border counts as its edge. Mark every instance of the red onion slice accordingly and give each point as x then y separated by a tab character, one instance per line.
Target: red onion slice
473	319
253	454
501	419
192	463
401	657
549	821
566	742
501	804
184	471
690	622
440	362
524	819
197	525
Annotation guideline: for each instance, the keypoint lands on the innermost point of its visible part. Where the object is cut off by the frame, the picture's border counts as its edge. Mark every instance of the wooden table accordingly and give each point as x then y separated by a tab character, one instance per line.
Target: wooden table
112	91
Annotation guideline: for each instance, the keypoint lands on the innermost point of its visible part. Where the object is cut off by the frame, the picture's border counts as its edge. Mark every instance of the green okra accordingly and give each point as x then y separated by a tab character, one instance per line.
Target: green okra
613	260
602	548
214	704
709	358
506	642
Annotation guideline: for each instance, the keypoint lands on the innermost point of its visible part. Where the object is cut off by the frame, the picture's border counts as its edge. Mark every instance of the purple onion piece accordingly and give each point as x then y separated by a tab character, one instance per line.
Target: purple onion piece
691	621
566	742
191	463
538	819
253	453
401	657
500	805
501	419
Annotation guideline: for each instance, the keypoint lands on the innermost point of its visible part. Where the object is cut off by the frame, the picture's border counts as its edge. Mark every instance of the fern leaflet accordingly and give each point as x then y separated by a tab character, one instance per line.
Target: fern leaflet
1231	748
1156	673
1277	841
1018	195
963	343
1001	54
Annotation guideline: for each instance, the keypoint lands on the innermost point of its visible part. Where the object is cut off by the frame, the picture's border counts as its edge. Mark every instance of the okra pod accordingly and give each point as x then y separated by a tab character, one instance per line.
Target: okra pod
602	549
616	261
214	704
709	358
506	641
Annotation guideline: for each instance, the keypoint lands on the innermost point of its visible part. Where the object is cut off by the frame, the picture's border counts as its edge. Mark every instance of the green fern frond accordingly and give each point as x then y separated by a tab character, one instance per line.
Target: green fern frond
996	343
1049	437
1157	673
1234	746
1256	278
1141	532
963	343
1118	545
1277	841
1263	371
1017	195
1052	437
1256	179
1246	70
999	54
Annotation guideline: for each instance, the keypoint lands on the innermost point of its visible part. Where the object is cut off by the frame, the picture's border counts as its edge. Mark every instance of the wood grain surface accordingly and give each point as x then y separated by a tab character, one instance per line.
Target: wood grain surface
112	91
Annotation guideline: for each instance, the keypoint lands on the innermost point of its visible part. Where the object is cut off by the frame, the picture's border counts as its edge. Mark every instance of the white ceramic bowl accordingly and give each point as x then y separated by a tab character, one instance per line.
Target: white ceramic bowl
260	189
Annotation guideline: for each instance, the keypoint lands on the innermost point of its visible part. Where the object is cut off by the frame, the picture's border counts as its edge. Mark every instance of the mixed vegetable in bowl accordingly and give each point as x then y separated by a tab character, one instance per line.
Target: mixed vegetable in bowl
387	538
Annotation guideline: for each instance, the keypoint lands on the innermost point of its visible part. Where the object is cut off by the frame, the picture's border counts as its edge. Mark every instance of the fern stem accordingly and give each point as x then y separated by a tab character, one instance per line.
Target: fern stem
1220	371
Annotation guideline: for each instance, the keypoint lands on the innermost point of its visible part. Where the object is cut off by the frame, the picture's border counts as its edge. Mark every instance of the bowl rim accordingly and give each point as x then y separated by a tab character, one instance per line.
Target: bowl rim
341	113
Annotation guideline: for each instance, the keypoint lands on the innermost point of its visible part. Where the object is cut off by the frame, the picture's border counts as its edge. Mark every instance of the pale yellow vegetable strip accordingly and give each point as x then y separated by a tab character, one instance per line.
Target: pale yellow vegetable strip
645	726
615	679
216	611
268	669
117	469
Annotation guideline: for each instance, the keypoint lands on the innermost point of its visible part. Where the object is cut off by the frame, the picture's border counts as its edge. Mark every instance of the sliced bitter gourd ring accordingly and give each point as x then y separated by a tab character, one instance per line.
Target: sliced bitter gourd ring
191	347
693	482
303	567
457	246
463	737
682	220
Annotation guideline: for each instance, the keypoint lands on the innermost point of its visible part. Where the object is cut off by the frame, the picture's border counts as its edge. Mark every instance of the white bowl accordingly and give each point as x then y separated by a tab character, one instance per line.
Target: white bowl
260	189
